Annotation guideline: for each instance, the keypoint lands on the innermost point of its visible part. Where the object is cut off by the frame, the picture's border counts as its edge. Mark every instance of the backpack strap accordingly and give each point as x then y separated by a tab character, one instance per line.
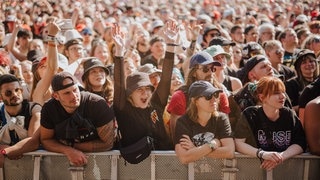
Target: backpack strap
2	116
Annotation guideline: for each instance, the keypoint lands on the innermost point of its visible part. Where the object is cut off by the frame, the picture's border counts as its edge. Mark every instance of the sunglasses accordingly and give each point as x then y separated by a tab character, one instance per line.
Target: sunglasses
214	34
87	34
279	51
316	40
206	69
209	97
9	93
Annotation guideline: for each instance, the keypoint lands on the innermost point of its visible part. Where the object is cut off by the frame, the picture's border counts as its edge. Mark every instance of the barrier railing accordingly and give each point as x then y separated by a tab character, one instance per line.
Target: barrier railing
45	165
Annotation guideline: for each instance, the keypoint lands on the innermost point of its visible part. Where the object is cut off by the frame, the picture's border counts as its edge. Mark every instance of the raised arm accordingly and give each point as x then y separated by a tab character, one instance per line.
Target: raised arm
170	34
52	58
11	44
119	76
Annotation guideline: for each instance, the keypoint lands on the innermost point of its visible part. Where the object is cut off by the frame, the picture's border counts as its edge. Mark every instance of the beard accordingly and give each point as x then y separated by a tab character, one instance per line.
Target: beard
12	103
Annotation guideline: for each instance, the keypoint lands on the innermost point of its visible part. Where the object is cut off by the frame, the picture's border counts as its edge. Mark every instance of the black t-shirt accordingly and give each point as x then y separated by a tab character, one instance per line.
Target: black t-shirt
135	123
93	109
309	93
269	135
219	126
294	88
286	72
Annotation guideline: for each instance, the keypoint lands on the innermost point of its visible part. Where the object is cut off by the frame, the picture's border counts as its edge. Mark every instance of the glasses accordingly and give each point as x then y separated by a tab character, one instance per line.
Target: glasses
209	97
206	69
9	93
214	34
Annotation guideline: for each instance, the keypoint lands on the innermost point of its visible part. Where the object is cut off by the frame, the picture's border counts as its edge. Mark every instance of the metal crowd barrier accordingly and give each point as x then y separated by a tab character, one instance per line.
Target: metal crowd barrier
161	165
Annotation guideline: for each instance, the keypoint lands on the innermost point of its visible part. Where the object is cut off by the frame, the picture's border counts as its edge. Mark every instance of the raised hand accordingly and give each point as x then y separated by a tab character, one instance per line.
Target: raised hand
193	32
119	41
53	28
170	32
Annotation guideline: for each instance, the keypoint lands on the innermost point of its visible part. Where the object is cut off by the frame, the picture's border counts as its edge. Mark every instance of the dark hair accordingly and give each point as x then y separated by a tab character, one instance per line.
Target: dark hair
155	39
249	28
8	78
24	33
234	28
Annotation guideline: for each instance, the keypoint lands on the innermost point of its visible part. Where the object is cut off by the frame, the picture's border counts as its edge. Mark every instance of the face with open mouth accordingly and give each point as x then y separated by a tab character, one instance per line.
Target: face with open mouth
141	96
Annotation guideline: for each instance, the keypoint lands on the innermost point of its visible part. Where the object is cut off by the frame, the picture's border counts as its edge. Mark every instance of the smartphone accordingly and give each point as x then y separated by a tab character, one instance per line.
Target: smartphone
66	24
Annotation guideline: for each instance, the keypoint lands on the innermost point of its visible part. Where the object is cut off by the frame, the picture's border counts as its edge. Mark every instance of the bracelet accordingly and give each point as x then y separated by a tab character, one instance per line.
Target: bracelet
51	38
259	154
3	152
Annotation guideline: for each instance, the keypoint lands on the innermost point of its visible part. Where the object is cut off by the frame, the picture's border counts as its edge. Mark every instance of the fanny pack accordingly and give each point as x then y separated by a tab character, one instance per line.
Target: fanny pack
138	151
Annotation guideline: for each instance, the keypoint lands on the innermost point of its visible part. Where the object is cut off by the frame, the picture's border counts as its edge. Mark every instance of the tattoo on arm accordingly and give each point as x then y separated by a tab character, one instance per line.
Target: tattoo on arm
106	134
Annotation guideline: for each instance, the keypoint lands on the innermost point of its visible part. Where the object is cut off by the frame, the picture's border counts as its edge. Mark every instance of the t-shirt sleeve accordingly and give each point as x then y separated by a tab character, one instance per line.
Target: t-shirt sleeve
102	113
298	136
224	103
177	103
181	129
46	120
305	97
224	127
242	128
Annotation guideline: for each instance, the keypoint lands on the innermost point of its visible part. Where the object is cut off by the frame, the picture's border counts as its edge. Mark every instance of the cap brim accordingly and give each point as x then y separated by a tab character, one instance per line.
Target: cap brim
216	63
210	91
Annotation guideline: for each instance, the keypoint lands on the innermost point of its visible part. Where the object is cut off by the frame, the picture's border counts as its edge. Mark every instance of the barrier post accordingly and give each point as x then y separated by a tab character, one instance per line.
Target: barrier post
76	172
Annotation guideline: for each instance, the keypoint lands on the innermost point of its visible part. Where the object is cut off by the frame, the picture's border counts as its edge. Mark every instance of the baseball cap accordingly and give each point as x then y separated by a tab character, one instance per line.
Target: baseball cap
228	12
136	80
72	42
37	63
299	57
248	66
156	23
202	58
86	31
251	49
149	69
202	88
33	55
92	63
72	34
57	81
221	41
215	50
209	28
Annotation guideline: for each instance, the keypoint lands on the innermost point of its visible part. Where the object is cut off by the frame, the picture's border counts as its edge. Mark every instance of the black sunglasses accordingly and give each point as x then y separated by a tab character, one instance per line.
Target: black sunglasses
9	93
206	69
209	97
316	40
214	34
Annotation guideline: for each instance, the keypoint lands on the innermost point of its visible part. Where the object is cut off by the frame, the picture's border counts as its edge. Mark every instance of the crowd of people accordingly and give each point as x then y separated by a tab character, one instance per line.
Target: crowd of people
205	78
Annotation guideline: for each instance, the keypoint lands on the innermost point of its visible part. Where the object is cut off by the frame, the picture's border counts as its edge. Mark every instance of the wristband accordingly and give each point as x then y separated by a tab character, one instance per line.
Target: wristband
3	152
259	154
212	146
171	44
51	38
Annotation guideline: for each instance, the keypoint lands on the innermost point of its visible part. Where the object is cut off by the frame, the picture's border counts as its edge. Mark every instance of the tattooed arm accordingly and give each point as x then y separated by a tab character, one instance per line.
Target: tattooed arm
106	134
